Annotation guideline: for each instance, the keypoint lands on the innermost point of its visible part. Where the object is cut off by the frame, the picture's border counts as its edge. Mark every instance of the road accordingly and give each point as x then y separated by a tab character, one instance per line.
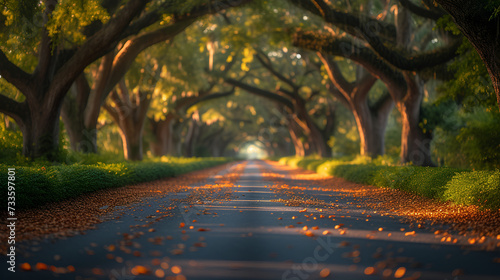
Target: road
244	231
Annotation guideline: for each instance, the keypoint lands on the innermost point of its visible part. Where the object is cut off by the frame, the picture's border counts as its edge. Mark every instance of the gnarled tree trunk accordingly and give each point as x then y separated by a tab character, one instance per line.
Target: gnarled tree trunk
371	124
41	133
415	144
162	133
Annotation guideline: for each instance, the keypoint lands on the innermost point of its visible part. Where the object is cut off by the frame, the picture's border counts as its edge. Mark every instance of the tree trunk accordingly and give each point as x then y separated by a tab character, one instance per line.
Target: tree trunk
317	143
131	135
415	144
162	132
297	143
317	140
371	124
191	136
41	134
82	134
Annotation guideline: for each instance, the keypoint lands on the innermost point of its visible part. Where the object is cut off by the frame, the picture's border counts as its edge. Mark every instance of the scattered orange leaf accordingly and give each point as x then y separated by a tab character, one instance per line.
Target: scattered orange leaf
325	272
370	270
400	272
309	233
41	266
176	269
26	266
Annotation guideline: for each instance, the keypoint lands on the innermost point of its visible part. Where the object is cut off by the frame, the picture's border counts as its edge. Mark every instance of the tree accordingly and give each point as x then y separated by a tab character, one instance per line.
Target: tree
60	63
188	80
293	90
390	58
57	68
82	106
88	101
371	119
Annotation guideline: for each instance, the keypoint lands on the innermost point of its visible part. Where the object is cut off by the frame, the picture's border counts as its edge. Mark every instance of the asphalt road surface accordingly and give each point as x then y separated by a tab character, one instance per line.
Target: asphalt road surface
244	232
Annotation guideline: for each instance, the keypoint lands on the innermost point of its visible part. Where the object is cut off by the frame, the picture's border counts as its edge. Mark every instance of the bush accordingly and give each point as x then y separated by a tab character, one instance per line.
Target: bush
480	188
38	185
461	186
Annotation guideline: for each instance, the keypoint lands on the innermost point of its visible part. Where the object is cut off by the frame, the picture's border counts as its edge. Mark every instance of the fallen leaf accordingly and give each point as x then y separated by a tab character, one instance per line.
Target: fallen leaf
400	272
41	266
26	266
176	269
325	272
370	270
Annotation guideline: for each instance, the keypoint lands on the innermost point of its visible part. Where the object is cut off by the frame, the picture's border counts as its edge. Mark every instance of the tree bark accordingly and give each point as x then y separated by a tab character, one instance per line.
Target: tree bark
371	121
130	119
294	130
162	133
191	136
316	138
415	144
131	135
41	134
81	137
475	21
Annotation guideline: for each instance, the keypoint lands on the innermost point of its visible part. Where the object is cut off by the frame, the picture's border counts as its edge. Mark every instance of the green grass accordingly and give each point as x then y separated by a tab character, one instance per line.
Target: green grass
38	183
467	187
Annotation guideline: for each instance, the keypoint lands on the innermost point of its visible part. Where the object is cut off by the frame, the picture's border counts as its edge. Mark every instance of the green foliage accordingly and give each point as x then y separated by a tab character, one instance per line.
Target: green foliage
474	144
11	142
40	184
69	18
475	188
461	186
472	85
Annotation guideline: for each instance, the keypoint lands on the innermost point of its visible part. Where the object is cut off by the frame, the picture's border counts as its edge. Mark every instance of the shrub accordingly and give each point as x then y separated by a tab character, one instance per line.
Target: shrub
480	188
38	185
458	185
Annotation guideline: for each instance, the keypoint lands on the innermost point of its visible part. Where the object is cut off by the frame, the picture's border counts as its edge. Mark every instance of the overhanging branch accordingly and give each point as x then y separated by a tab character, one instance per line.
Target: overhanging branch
372	30
421	11
261	92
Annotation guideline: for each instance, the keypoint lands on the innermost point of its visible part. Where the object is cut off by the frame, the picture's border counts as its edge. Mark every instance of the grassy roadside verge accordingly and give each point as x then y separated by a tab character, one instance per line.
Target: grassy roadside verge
39	184
467	187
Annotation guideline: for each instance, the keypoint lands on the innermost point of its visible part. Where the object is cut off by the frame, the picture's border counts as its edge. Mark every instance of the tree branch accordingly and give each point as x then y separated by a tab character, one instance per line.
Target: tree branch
335	76
131	49
421	11
264	93
12	108
112	112
210	97
91	50
14	75
372	29
344	47
268	65
341	19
